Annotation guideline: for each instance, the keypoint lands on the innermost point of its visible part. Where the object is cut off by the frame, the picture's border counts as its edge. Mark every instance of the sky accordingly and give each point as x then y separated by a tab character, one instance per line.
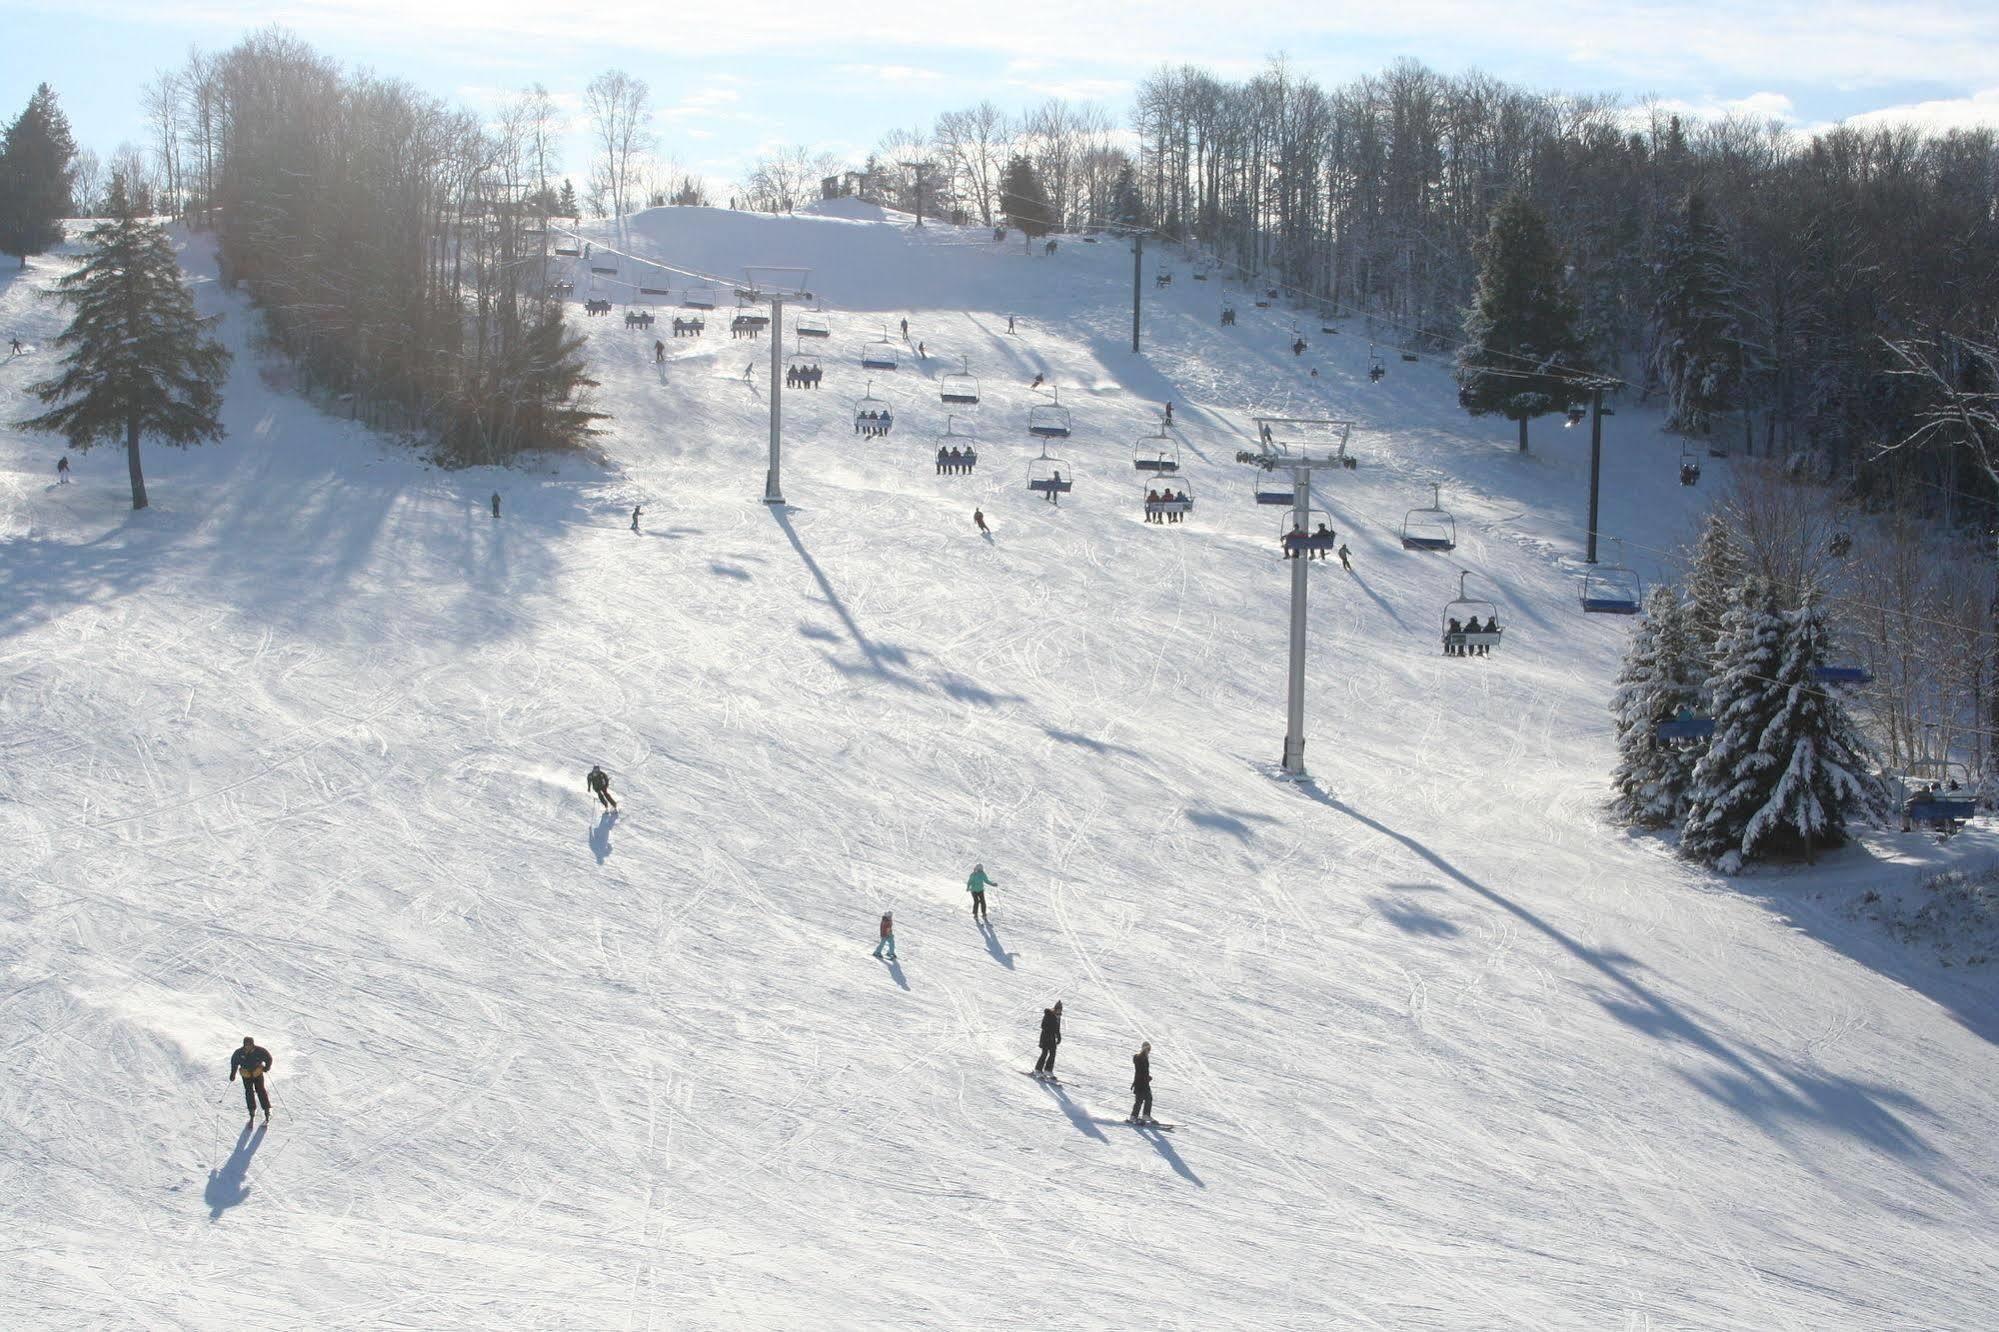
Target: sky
734	79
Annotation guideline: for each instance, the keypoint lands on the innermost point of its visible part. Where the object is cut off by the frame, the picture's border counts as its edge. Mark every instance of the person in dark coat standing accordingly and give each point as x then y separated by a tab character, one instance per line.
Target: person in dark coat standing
496	504
1051	1036
598	783
1141	1085
251	1061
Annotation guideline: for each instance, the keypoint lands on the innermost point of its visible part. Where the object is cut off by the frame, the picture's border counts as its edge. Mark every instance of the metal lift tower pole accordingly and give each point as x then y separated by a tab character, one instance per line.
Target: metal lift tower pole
1294	707
773	492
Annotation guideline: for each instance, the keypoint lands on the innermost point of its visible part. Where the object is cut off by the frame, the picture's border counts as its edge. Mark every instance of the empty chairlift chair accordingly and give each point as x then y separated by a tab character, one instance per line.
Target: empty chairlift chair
960	389
1158	455
878	354
1050	420
1842	675
1430	527
812	326
699	298
1050	478
1274	488
1613	589
1470	624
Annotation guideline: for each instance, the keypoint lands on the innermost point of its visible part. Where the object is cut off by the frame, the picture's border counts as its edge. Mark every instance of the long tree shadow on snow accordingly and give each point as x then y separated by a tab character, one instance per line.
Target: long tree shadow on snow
1768	1090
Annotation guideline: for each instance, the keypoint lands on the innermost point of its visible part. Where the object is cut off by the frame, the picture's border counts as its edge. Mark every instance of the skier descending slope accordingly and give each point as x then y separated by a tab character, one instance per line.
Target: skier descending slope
598	783
1141	1085
252	1061
976	885
1051	1036
887	944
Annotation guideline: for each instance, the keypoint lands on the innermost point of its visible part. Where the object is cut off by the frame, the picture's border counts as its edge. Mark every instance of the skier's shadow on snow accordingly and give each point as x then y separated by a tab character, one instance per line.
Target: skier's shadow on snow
1165	1149
228	1186
1077	1114
1000	955
600	836
1765	1088
895	972
1387	607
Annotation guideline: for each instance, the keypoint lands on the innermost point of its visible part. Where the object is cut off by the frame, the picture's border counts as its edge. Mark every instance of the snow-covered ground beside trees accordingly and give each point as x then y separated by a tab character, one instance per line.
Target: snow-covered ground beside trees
299	751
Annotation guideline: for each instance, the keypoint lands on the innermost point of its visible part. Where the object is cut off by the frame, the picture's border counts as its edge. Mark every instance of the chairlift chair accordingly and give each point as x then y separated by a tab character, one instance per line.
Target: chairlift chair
1181	503
799	363
1690	465
1375	369
1200	273
570	251
1683	728
1468	642
1411	356
1049	420
1431	526
1313	540
1157	454
1572	418
1939	794
1613	589
961	389
1842	675
871	413
1162	279
962	440
1046	477
1274	488
811	326
699	298
879	354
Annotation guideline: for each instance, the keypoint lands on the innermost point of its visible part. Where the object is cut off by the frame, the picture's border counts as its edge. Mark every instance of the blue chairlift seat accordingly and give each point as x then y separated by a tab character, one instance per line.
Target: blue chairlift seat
1843	675
1685	728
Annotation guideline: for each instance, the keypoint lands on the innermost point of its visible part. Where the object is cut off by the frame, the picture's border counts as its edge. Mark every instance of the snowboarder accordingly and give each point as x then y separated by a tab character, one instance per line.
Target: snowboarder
1169	413
252	1061
14	344
920	353
1037	382
658	352
1141	1085
979	521
976	885
748	369
496	504
635	517
62	470
1051	1036
598	783
1344	562
887	944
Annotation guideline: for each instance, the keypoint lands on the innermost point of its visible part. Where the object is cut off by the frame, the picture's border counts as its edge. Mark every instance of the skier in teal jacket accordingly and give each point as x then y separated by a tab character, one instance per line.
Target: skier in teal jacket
976	886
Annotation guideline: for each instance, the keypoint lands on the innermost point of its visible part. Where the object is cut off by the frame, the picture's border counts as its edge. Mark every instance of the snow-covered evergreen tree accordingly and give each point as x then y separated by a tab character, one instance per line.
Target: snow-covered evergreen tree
1521	352
1024	200
1697	350
1787	766
1663	673
138	360
1714	582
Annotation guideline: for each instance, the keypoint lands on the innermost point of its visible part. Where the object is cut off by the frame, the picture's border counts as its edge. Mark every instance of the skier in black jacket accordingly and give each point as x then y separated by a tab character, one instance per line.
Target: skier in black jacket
1141	1085
599	784
1051	1036
252	1061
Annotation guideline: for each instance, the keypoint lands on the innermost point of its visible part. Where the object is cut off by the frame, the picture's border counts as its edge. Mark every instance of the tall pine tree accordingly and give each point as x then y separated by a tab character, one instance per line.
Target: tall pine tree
1697	352
1662	677
36	171
1521	353
1714	581
1023	200
1787	767
138	360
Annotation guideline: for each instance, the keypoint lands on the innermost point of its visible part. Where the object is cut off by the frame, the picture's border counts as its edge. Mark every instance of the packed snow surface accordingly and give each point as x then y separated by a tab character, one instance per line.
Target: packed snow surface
299	753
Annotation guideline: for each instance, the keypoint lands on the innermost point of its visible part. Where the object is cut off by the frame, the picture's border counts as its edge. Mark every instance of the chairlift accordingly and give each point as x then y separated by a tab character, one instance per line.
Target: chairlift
1200	272
961	389
1049	420
1939	794
1842	675
570	251
1613	589
872	416
699	298
957	450
1467	640
608	270
1375	369
1690	465
751	311
1317	538
1411	356
811	326
1431	526
1574	416
1273	488
1168	502
1162	278
1683	728
1046	478
1157	454
879	354
801	364
1716	448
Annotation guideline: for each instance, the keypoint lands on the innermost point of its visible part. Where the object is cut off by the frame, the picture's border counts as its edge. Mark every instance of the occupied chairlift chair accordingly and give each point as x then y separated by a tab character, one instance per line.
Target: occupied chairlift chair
1375	369
1467	611
1430	527
1318	537
1690	465
1049	420
1613	589
1046	477
1939	794
1684	727
871	414
962	440
1182	503
960	389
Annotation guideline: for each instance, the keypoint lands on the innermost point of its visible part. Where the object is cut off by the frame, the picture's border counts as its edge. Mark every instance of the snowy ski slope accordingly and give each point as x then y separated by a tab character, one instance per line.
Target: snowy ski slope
299	753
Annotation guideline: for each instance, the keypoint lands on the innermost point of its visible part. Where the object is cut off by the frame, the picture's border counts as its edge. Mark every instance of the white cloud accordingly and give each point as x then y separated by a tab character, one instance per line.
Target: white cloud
1981	109
888	74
